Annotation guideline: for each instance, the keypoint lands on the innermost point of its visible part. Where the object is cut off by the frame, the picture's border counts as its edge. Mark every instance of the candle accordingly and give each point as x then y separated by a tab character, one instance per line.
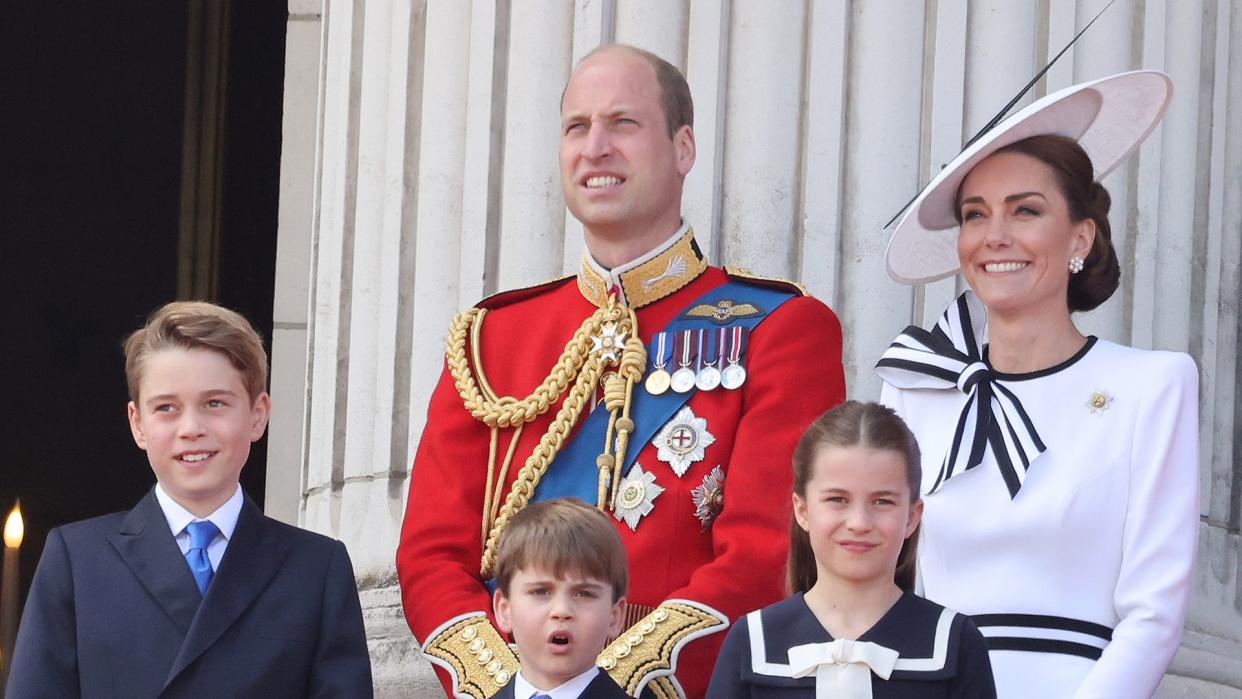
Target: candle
14	531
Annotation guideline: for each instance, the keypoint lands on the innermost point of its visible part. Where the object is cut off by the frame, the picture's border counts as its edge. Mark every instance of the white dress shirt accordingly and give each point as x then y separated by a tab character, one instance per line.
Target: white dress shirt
225	519
570	690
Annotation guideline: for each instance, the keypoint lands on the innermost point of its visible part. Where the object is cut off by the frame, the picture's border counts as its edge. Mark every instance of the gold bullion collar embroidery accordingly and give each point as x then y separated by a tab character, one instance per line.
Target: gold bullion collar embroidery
643	281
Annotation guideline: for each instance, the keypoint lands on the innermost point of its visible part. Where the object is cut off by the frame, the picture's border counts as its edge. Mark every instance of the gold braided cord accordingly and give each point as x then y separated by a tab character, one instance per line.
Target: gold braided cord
500	480
537	463
486	520
476	330
618	392
577	371
509	413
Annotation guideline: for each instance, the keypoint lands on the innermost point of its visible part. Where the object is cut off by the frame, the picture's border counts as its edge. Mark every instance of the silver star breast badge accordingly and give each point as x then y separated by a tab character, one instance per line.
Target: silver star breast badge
683	441
635	496
708	498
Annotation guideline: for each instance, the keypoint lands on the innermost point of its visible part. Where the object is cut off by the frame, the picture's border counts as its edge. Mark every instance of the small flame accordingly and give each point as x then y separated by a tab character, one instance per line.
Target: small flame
14	528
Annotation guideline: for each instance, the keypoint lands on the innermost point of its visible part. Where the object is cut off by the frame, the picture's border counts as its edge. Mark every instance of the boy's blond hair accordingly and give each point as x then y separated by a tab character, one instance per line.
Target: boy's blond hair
563	536
188	325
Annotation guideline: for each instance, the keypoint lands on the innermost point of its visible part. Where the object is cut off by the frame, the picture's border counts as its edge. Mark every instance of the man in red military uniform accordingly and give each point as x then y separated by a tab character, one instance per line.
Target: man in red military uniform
667	392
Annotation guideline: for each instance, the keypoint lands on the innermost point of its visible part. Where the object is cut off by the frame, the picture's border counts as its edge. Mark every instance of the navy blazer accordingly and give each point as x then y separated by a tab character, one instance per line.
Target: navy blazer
602	687
114	612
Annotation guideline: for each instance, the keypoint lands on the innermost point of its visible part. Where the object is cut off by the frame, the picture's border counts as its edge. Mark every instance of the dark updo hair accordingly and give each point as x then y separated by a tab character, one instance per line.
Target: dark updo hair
851	424
1087	199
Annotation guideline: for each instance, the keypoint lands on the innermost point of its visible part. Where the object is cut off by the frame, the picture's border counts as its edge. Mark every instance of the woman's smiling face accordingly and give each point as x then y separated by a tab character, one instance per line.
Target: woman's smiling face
1016	237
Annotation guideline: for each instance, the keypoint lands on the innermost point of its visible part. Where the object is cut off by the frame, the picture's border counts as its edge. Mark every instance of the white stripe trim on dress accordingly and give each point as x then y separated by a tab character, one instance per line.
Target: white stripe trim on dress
940	649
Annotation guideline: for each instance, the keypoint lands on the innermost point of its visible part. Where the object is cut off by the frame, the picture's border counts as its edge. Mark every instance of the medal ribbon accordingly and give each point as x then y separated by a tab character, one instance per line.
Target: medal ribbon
661	359
685	349
698	355
949	356
739	345
722	335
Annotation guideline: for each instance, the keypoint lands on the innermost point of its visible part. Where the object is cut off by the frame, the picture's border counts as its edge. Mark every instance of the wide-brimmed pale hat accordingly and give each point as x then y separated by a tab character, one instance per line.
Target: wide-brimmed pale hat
1108	117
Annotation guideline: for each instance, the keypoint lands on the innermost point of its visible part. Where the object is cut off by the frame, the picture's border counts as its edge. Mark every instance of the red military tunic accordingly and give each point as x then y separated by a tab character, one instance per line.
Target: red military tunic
731	565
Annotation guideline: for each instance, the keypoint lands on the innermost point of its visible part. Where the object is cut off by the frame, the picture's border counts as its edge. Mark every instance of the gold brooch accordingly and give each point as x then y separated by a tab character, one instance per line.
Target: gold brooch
1098	402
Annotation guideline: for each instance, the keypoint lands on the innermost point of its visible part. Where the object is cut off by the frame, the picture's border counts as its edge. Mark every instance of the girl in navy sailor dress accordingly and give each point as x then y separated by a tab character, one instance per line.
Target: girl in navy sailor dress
853	629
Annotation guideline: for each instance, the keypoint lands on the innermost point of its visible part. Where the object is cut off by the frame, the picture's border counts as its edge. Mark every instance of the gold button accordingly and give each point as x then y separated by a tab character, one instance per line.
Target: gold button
469	633
484	656
659	615
634	639
608	662
621	650
476	645
647	626
493	667
502	678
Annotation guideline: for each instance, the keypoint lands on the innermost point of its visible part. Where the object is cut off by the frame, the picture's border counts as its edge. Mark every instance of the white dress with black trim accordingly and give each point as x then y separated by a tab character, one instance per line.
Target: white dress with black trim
939	653
1079	576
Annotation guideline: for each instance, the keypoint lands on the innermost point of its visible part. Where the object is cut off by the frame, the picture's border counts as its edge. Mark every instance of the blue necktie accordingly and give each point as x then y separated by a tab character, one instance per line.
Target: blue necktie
201	535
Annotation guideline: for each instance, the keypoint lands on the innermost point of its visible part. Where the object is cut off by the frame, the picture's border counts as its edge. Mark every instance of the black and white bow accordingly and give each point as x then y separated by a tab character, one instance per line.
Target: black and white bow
950	356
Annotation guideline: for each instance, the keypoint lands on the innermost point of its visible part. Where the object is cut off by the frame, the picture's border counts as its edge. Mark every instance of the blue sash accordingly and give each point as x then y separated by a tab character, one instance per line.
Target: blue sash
573	472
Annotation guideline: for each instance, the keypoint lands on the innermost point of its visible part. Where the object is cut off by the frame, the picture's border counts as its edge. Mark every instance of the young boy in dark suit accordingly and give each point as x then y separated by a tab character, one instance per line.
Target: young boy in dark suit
560	591
194	592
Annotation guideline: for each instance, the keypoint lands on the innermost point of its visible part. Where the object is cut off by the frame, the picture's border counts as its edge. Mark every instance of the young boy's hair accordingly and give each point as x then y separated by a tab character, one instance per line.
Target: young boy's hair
563	536
188	325
848	425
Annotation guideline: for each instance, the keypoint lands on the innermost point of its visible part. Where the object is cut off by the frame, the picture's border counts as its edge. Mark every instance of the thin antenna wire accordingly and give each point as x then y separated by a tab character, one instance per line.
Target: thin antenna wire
1000	116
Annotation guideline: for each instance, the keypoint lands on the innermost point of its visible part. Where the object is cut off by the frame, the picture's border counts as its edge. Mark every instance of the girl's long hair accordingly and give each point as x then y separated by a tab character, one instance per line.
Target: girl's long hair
851	424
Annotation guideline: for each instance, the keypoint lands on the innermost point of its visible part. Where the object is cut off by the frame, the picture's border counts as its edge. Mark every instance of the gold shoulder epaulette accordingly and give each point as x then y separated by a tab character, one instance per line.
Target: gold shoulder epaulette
775	282
501	299
646	653
471	649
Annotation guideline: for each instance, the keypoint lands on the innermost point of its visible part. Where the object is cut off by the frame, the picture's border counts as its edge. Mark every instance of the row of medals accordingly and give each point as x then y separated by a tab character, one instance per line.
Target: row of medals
705	376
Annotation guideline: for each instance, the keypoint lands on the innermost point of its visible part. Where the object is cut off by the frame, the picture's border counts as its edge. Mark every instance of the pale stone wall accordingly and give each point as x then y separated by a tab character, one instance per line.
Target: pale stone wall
419	173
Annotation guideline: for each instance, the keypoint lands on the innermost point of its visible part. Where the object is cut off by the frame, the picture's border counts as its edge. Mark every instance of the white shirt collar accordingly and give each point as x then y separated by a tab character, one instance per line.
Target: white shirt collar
570	690
225	516
612	277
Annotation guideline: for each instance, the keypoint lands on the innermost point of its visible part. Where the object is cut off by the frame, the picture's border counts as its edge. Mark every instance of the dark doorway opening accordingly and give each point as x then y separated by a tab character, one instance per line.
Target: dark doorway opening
93	156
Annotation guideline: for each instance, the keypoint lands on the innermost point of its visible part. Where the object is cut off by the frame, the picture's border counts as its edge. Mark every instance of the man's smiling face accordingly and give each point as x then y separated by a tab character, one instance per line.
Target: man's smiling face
621	172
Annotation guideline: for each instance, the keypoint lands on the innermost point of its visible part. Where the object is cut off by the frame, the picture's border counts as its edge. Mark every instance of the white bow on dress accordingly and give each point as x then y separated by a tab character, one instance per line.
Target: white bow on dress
842	668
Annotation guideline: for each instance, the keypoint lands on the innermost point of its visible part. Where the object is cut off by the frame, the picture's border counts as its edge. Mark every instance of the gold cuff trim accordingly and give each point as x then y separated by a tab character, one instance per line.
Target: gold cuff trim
479	659
650	281
648	650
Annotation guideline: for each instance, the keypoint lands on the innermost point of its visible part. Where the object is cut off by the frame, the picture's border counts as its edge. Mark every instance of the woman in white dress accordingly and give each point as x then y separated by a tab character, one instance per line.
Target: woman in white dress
1060	470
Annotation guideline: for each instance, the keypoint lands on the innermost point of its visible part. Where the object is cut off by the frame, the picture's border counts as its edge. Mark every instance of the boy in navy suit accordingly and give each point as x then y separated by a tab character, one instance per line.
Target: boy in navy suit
194	592
560	591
